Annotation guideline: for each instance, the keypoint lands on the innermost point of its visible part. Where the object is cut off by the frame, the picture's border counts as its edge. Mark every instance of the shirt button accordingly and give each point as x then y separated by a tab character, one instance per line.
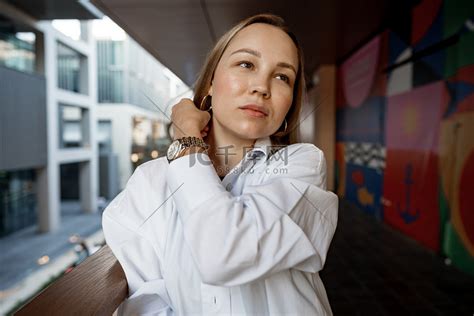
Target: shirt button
229	187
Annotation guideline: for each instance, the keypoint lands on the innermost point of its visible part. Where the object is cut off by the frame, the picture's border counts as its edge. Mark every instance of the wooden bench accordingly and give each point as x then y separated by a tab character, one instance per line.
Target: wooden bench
97	286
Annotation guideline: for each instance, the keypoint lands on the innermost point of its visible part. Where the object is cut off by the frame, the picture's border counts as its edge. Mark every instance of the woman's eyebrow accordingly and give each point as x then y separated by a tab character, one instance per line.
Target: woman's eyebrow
248	51
257	54
286	65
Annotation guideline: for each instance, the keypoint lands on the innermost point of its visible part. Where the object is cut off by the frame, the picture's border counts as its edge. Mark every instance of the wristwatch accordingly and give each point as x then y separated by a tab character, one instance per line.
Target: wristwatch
180	144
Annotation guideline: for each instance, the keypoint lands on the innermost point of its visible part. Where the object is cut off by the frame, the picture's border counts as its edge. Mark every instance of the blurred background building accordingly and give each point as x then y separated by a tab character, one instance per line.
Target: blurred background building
82	105
68	85
48	109
135	95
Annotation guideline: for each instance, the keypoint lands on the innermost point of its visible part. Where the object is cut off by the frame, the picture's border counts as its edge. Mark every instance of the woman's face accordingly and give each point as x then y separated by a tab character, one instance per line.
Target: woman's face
257	71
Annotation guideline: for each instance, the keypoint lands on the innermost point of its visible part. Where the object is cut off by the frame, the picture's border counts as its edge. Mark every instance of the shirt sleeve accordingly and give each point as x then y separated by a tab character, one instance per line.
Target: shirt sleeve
287	221
137	256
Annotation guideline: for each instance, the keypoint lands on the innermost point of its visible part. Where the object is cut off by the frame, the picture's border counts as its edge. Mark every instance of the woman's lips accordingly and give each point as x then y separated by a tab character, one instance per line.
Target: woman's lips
253	113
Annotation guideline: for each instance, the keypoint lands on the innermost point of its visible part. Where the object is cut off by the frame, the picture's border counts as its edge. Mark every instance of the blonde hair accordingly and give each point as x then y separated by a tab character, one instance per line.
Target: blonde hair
203	83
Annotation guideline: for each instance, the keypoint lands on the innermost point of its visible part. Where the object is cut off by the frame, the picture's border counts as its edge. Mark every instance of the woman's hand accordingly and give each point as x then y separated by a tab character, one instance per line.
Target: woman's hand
188	120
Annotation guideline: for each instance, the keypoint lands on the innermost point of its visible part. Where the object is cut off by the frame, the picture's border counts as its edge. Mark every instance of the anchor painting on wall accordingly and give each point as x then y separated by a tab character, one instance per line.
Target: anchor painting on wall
411	179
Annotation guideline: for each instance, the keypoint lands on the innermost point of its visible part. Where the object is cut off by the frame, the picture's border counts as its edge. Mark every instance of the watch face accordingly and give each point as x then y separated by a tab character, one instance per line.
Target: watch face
173	149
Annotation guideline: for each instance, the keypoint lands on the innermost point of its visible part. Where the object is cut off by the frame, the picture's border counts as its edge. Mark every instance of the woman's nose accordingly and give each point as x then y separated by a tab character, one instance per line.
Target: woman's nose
260	85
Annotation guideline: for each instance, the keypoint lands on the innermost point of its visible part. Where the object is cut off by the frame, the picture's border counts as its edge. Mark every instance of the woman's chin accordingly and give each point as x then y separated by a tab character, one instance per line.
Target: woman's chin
252	135
245	130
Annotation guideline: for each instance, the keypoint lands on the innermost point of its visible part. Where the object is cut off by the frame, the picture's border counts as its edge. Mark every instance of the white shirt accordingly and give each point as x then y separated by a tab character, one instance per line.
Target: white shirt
251	244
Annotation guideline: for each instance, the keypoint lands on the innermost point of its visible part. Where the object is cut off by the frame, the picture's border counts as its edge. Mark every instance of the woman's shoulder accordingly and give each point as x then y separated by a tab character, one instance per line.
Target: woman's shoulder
298	153
304	149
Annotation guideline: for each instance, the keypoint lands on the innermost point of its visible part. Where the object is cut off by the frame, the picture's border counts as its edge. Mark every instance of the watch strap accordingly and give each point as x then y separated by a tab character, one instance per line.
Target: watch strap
186	142
189	141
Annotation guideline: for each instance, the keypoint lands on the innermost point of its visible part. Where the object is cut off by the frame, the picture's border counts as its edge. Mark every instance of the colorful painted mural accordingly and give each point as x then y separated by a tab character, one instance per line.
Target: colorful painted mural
457	180
360	120
405	128
411	174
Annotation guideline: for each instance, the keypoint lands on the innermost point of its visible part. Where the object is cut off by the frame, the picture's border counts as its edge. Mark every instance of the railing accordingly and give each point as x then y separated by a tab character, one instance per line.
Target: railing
95	287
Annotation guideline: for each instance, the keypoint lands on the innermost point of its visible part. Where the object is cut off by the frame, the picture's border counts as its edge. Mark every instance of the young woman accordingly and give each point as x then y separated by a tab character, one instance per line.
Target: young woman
236	220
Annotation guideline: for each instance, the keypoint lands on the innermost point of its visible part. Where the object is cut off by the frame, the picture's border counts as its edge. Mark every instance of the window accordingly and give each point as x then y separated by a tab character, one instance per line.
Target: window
110	71
72	70
73	127
17	51
17	200
104	136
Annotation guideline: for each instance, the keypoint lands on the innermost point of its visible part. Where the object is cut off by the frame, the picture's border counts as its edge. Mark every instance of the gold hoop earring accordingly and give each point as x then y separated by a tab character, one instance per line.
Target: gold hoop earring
286	126
203	102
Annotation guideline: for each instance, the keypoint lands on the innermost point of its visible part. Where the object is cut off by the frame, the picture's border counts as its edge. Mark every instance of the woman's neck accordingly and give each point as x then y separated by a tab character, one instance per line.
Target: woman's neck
226	150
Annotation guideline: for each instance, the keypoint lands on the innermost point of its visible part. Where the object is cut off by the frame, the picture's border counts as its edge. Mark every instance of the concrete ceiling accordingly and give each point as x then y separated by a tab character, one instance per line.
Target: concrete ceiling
55	9
179	33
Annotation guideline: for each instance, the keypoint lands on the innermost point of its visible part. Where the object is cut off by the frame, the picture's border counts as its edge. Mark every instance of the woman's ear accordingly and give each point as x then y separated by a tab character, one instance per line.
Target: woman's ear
209	92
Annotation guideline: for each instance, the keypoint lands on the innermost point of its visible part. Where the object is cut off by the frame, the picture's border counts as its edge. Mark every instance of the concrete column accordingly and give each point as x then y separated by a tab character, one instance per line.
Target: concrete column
88	187
325	117
48	199
84	75
86	125
85	34
88	170
49	206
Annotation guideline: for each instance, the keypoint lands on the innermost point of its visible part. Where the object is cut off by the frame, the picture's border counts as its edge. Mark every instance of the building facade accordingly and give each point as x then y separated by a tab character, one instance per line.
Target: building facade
48	115
79	112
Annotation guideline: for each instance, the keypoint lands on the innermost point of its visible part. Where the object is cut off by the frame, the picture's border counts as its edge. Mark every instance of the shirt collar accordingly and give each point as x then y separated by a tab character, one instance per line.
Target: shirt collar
262	146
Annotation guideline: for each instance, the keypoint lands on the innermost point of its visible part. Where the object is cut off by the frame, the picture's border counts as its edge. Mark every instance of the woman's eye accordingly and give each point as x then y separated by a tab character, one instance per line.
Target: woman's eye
284	78
246	64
